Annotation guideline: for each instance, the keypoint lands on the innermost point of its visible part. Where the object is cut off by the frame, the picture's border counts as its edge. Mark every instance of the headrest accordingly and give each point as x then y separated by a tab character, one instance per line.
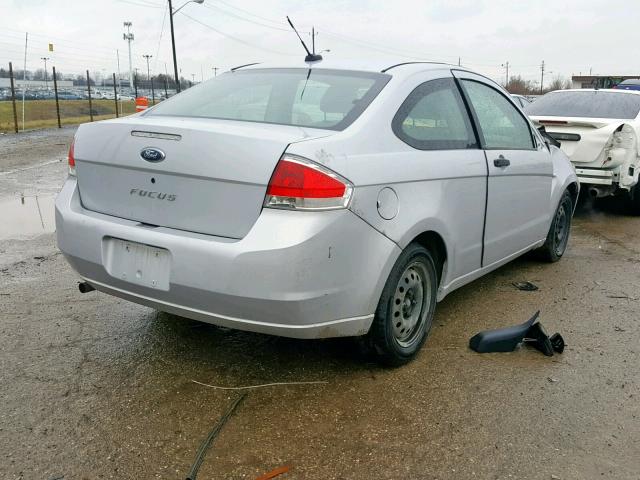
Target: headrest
339	98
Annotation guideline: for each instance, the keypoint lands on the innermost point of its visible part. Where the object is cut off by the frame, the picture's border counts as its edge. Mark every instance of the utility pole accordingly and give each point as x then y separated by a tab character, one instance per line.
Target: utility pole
46	85
506	66
193	79
215	71
541	77
147	58
120	78
172	12
129	38
173	47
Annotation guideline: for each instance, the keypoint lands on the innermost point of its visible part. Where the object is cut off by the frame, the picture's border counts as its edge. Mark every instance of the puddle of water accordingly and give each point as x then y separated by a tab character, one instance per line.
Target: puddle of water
27	217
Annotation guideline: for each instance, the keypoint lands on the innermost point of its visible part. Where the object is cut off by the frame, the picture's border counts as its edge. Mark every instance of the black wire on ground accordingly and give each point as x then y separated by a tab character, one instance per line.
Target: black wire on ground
204	446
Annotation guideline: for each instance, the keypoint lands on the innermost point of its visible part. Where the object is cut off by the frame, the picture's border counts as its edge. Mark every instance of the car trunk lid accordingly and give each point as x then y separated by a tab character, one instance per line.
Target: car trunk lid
585	141
211	179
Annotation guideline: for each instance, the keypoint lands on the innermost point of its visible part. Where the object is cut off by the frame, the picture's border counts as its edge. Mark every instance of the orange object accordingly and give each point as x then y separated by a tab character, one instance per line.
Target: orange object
274	473
142	103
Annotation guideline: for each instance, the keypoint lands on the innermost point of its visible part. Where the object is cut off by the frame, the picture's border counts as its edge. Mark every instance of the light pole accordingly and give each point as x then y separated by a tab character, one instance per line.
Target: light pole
147	58
46	85
172	12
149	80
129	38
506	67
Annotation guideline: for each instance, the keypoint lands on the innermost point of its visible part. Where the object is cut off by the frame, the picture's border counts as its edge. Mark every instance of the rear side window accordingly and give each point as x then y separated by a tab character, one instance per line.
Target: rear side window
433	117
318	98
501	124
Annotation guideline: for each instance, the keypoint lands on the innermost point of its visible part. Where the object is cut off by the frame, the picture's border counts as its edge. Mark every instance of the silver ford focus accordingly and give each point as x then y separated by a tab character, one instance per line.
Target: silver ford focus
315	200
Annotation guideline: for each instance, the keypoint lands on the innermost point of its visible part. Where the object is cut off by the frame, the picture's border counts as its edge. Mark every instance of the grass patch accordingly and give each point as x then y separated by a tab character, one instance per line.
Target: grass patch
42	113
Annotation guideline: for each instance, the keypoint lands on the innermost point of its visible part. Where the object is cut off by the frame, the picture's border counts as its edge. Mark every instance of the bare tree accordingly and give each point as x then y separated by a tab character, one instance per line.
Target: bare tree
558	83
519	86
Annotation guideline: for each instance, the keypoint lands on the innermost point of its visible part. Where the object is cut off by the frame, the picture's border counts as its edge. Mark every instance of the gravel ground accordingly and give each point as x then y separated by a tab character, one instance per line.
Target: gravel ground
95	387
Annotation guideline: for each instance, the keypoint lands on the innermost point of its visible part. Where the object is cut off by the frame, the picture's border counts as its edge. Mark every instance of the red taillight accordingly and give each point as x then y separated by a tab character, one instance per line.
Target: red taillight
298	183
293	179
72	160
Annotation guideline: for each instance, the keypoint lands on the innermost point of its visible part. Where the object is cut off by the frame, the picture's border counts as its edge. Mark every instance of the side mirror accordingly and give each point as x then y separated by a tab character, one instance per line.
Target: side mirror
548	138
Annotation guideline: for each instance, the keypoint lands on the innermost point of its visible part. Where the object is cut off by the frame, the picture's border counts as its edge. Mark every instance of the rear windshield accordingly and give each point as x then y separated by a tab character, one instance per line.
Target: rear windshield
592	104
329	99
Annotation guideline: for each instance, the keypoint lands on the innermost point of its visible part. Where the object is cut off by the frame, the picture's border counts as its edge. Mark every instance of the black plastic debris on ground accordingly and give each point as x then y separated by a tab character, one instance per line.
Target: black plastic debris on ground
507	339
525	286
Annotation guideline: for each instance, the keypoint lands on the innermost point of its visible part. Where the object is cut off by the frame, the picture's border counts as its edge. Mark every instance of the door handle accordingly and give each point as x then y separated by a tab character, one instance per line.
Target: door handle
501	162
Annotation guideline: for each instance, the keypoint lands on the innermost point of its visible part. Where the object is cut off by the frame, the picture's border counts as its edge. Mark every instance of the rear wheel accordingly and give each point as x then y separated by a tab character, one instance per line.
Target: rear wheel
558	236
406	308
634	199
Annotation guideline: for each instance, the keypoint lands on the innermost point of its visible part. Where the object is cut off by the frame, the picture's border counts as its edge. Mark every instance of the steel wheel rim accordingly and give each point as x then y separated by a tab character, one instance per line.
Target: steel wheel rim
561	234
410	303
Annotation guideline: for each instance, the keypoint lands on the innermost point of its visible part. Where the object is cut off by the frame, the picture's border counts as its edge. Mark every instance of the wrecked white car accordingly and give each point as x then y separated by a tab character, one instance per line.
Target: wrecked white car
599	130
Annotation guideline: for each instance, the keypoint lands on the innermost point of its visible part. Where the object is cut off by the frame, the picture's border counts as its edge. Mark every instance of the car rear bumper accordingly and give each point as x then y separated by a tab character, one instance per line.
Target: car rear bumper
596	176
295	274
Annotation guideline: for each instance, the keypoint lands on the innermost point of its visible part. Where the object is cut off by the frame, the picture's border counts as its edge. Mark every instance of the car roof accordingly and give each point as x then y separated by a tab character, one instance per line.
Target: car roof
374	66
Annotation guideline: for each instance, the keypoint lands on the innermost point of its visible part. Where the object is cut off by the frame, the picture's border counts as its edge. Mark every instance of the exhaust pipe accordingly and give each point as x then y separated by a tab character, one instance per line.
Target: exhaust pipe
596	192
85	287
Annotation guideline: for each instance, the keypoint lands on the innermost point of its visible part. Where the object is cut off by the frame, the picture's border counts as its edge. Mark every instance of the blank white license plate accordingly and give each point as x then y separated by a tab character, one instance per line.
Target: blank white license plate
137	263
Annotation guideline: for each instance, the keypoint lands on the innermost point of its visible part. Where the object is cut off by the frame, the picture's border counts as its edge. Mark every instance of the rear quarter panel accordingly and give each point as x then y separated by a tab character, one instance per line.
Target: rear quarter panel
564	174
439	191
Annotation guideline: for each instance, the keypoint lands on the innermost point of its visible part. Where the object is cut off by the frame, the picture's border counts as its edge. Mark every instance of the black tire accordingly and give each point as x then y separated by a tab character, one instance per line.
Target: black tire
634	199
398	332
558	236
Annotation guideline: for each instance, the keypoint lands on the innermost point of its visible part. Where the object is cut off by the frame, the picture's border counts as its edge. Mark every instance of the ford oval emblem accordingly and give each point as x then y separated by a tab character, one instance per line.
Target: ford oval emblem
152	154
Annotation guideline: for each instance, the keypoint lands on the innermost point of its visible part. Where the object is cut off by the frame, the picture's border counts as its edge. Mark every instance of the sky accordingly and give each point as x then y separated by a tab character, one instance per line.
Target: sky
572	37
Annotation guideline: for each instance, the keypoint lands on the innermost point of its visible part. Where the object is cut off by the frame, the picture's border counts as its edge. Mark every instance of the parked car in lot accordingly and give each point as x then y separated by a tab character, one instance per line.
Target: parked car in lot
69	96
47	95
599	130
521	100
314	201
631	84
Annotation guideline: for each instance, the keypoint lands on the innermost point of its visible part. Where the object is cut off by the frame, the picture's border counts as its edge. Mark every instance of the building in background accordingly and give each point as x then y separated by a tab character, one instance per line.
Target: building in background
599	81
34	84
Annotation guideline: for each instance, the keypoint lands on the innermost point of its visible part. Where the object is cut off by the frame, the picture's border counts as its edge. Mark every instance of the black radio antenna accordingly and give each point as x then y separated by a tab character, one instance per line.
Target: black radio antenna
311	56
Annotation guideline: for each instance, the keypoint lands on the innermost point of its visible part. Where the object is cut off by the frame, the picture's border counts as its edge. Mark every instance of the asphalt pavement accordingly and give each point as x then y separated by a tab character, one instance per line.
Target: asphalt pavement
94	387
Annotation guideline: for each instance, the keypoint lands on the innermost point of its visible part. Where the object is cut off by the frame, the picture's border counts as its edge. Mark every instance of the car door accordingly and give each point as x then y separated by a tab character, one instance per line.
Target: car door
434	121
520	171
